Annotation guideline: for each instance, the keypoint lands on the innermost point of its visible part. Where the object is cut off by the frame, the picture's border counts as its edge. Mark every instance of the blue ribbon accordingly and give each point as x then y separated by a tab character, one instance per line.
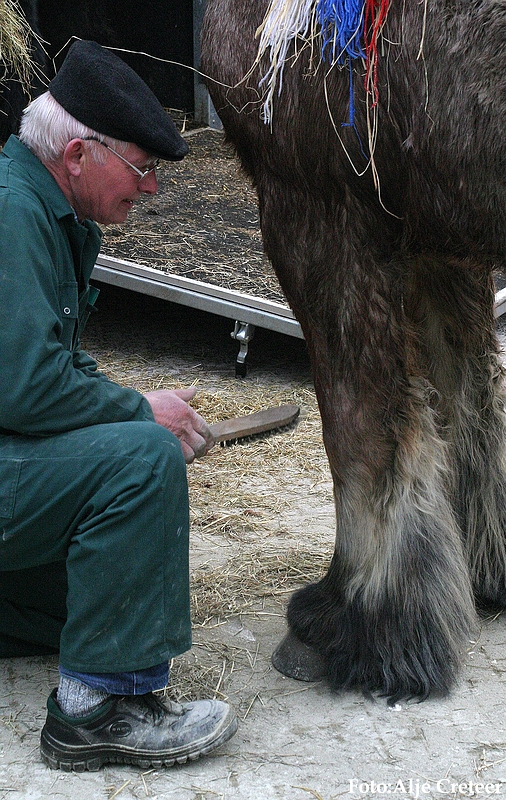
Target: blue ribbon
341	23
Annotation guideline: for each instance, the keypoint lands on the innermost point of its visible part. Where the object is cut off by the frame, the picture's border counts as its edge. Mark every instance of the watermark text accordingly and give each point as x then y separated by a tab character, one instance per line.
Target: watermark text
416	788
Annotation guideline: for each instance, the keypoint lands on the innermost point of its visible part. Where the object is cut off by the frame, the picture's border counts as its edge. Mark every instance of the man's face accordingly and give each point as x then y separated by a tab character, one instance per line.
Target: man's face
106	192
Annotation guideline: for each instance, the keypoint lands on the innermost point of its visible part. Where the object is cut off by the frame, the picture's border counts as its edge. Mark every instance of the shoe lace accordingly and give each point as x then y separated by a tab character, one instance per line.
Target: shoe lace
160	709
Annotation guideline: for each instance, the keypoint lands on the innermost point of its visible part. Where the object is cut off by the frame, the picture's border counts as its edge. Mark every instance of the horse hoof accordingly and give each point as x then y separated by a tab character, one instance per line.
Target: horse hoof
296	660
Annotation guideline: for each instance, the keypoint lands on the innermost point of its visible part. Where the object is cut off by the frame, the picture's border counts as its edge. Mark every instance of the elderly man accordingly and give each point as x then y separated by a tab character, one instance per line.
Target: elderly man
93	492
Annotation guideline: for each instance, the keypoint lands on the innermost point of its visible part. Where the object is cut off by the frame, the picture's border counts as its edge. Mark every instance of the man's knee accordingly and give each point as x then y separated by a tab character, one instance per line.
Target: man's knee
156	445
68	480
147	441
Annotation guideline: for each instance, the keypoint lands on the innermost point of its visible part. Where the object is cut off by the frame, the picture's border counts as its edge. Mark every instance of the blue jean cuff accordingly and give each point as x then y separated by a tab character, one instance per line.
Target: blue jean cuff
139	682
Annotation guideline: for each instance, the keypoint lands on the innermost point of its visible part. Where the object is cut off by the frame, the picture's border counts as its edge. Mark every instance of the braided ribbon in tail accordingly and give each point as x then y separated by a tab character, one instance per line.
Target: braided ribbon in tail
348	29
375	17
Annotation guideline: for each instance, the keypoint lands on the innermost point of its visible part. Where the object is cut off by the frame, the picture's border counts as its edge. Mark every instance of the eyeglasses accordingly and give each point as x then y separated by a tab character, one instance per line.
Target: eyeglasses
141	173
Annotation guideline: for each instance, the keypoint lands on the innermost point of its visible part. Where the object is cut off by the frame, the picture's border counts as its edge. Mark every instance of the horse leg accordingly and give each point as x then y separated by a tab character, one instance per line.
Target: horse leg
451	305
395	609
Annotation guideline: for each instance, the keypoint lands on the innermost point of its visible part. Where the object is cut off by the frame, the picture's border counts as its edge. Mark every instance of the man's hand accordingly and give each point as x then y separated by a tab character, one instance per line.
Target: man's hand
171	410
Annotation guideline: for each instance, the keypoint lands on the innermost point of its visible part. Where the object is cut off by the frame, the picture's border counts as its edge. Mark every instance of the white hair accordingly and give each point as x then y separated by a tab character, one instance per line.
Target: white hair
46	129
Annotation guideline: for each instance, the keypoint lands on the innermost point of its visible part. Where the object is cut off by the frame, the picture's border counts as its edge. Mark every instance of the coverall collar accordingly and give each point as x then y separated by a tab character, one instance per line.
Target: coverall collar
41	177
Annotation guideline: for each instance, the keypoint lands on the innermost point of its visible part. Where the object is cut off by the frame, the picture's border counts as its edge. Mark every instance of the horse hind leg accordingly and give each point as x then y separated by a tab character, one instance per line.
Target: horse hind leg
454	313
479	439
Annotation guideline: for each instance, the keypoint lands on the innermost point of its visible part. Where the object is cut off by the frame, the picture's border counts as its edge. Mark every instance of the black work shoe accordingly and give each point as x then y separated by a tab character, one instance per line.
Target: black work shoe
140	730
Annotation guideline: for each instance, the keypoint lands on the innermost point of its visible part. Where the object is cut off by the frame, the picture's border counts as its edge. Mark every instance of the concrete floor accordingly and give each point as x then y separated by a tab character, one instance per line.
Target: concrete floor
295	741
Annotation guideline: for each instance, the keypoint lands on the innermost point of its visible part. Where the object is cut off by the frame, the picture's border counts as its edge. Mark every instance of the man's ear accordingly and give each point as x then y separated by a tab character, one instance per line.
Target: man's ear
73	157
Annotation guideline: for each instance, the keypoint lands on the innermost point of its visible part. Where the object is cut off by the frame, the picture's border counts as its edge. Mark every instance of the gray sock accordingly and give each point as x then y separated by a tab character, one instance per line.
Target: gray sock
76	699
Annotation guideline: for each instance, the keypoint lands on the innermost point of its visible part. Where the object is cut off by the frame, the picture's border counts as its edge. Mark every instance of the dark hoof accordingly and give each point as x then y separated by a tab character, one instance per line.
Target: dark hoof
296	660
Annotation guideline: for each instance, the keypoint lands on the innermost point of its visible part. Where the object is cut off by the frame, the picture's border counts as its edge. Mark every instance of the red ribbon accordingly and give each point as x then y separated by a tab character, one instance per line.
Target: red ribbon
374	18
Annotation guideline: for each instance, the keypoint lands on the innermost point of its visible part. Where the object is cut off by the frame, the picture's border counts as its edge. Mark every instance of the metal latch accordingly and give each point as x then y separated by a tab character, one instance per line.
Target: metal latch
243	333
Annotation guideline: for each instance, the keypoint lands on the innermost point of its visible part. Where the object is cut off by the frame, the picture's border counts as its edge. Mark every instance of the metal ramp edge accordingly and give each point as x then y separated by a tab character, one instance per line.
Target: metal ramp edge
246	310
197	294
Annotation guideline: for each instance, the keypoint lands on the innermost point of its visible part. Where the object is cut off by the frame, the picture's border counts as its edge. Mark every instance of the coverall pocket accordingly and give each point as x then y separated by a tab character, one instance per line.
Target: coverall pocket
10	469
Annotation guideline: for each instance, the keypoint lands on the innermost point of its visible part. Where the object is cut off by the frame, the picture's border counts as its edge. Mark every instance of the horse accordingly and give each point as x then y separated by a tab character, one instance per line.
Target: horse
381	187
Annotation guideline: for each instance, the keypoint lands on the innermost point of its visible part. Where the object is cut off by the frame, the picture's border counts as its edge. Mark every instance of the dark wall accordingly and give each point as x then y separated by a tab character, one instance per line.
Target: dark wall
162	28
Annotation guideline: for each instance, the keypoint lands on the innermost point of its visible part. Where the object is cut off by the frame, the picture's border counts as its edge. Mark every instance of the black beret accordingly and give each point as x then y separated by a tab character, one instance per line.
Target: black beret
98	89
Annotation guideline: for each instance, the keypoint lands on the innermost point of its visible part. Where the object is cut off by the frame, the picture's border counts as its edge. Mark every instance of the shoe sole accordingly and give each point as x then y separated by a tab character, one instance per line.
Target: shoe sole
91	758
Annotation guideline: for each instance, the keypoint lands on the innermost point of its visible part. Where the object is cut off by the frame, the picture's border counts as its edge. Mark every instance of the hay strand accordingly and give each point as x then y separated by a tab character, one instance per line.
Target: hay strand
15	44
245	586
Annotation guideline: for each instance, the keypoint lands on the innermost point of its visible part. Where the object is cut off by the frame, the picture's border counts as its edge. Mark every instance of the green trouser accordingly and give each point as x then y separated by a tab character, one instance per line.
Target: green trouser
94	547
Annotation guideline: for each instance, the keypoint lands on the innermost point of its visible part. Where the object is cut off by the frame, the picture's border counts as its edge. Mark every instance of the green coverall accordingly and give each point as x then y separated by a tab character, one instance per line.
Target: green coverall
93	493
